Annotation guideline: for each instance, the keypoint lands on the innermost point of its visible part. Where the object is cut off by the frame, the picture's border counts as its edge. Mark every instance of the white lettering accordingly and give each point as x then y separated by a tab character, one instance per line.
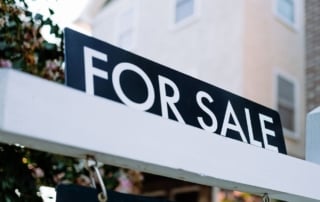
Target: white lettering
169	101
90	70
250	130
117	86
213	127
265	132
235	127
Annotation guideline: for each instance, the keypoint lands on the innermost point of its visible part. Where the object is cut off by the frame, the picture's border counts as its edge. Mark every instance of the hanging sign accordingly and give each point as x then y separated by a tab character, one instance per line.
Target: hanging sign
72	193
101	69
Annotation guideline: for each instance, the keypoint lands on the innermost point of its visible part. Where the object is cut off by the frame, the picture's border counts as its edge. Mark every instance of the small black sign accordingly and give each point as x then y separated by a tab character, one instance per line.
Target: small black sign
75	193
101	69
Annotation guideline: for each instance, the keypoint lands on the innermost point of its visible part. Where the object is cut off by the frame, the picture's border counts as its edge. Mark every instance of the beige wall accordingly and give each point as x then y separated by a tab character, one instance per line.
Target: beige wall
272	47
237	45
204	47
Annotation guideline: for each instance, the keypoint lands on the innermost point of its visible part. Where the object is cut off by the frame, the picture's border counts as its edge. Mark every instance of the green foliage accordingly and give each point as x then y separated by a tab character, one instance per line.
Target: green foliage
23	170
22	45
15	176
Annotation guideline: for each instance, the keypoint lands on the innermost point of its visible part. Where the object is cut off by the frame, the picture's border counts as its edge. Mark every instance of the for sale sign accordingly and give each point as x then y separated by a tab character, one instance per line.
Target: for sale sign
104	70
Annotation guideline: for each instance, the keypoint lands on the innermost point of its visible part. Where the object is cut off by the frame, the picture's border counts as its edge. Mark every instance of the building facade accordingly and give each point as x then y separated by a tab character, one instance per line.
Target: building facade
260	50
312	56
255	49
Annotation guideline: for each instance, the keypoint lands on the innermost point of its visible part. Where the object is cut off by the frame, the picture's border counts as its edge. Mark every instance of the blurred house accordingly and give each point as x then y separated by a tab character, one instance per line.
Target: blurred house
265	51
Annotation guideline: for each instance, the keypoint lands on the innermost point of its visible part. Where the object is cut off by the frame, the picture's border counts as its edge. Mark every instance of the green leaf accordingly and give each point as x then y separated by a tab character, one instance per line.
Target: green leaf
51	11
54	29
24	3
47	22
38	17
28	13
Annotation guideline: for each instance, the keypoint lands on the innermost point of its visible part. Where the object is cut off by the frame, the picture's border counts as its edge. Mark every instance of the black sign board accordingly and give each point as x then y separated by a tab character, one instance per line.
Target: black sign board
74	193
104	70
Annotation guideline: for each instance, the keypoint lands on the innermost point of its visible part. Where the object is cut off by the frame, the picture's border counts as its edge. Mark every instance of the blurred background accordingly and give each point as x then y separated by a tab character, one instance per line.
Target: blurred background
263	50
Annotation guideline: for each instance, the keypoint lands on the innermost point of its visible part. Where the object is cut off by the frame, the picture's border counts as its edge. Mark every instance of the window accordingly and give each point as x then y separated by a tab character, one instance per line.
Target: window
286	103
125	39
184	9
285	10
125	29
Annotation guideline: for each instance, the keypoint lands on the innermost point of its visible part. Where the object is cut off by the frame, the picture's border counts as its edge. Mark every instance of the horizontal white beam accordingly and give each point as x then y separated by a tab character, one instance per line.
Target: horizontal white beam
47	116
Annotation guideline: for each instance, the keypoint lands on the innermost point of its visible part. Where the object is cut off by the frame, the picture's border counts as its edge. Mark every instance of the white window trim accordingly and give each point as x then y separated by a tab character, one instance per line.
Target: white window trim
185	22
294	26
134	6
295	134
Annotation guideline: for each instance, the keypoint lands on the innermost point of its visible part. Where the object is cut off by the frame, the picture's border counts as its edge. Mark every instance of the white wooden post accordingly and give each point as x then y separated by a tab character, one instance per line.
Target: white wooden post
47	116
313	136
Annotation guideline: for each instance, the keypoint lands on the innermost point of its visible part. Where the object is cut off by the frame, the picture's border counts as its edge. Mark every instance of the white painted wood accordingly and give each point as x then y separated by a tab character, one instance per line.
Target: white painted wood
313	136
47	116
